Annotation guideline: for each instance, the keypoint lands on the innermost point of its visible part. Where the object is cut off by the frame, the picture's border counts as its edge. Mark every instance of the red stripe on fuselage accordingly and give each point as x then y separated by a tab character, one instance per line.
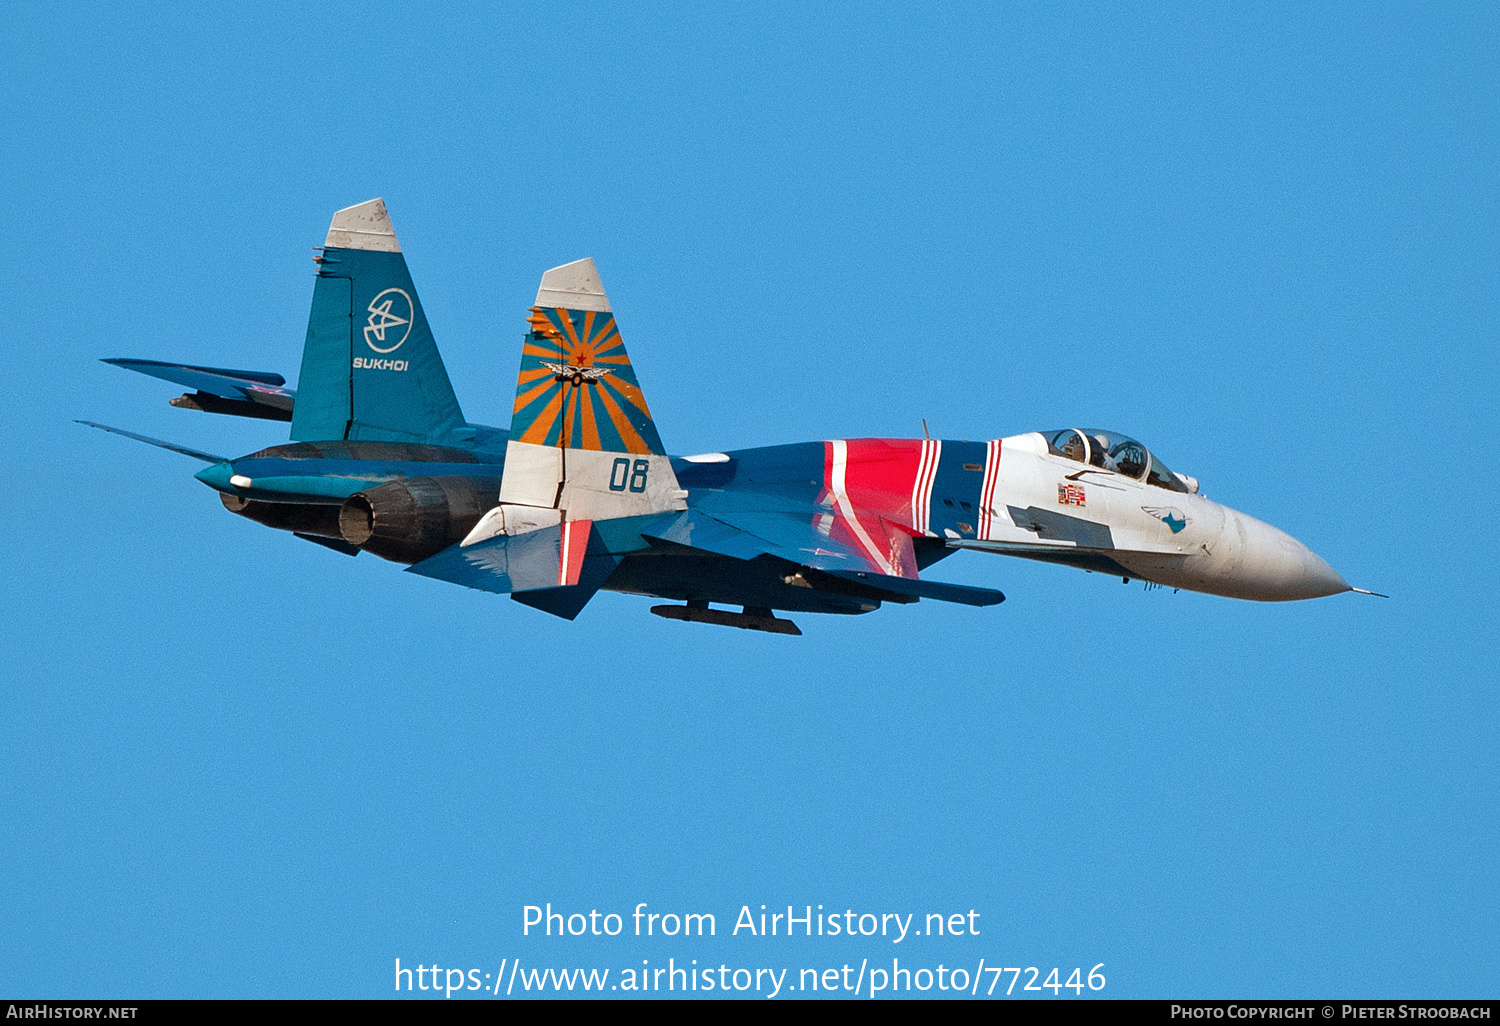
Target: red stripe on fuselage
880	476
575	542
987	511
871	484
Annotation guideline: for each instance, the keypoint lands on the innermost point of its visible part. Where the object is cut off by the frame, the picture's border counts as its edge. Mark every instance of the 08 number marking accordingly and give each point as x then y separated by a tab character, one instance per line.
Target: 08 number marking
624	475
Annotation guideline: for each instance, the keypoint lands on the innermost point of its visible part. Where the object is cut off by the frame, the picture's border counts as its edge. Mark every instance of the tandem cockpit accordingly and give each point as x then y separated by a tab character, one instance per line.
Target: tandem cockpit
1115	453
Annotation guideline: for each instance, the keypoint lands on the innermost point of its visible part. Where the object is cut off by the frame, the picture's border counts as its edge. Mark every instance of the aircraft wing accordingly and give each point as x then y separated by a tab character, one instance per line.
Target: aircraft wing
241	393
796	538
197	454
558	569
751	533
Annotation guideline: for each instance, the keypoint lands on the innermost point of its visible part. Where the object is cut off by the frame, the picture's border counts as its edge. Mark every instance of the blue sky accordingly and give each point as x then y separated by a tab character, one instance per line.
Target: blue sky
1261	240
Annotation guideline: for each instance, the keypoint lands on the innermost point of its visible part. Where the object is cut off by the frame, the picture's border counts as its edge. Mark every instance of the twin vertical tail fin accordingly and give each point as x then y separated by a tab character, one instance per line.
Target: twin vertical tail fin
582	441
577	389
582	448
370	366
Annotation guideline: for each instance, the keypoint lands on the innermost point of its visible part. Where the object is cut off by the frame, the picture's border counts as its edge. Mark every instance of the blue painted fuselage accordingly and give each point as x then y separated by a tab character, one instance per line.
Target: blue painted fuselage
324	472
781	479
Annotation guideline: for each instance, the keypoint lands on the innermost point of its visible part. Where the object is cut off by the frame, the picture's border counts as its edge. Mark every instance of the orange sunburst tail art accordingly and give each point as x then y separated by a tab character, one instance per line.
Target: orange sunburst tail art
577	389
581	436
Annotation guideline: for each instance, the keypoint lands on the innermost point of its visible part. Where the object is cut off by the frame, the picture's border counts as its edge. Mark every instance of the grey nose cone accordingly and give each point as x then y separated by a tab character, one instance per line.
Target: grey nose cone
1318	578
1275	567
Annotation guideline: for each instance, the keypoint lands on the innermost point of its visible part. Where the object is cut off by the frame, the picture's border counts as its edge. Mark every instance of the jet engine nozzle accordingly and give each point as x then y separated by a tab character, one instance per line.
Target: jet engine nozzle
320	519
411	518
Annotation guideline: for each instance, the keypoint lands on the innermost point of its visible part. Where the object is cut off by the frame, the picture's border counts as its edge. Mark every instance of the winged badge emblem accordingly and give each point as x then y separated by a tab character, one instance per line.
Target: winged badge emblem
577	375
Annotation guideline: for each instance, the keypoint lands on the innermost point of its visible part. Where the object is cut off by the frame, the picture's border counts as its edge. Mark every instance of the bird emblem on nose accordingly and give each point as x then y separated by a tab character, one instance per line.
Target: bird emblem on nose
1169	515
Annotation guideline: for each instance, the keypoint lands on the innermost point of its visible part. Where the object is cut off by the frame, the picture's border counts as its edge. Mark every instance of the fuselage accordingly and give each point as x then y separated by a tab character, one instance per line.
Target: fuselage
579	492
1022	495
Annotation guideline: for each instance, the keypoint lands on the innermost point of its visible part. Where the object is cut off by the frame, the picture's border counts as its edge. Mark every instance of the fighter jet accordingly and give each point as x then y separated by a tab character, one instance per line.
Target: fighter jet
579	494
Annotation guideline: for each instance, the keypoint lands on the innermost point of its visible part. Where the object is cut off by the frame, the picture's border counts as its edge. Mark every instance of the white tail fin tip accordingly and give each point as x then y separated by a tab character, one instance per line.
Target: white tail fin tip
363	226
573	286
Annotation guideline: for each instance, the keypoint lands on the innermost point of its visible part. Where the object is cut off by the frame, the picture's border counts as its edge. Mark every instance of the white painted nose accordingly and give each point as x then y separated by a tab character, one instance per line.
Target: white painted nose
1275	567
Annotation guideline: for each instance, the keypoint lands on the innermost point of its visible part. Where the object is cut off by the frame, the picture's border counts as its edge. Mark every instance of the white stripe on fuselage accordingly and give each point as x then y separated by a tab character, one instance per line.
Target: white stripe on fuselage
921	491
562	561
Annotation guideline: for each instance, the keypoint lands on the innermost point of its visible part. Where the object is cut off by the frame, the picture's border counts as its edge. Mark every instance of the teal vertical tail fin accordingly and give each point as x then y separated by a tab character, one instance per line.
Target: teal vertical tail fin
370	366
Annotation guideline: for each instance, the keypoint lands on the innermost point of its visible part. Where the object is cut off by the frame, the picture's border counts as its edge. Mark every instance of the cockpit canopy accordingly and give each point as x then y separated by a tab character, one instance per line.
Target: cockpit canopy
1112	451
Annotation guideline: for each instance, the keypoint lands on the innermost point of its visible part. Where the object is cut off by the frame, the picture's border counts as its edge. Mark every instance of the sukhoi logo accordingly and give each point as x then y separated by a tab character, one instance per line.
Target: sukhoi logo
367	363
390	313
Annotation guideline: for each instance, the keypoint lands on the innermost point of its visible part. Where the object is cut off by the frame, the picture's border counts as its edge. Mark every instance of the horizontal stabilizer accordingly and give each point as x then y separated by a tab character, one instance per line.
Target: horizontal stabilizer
555	569
196	454
566	602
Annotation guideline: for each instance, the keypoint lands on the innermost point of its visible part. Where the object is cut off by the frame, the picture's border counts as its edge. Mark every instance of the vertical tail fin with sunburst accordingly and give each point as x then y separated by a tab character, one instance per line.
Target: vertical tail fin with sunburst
577	389
582	443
